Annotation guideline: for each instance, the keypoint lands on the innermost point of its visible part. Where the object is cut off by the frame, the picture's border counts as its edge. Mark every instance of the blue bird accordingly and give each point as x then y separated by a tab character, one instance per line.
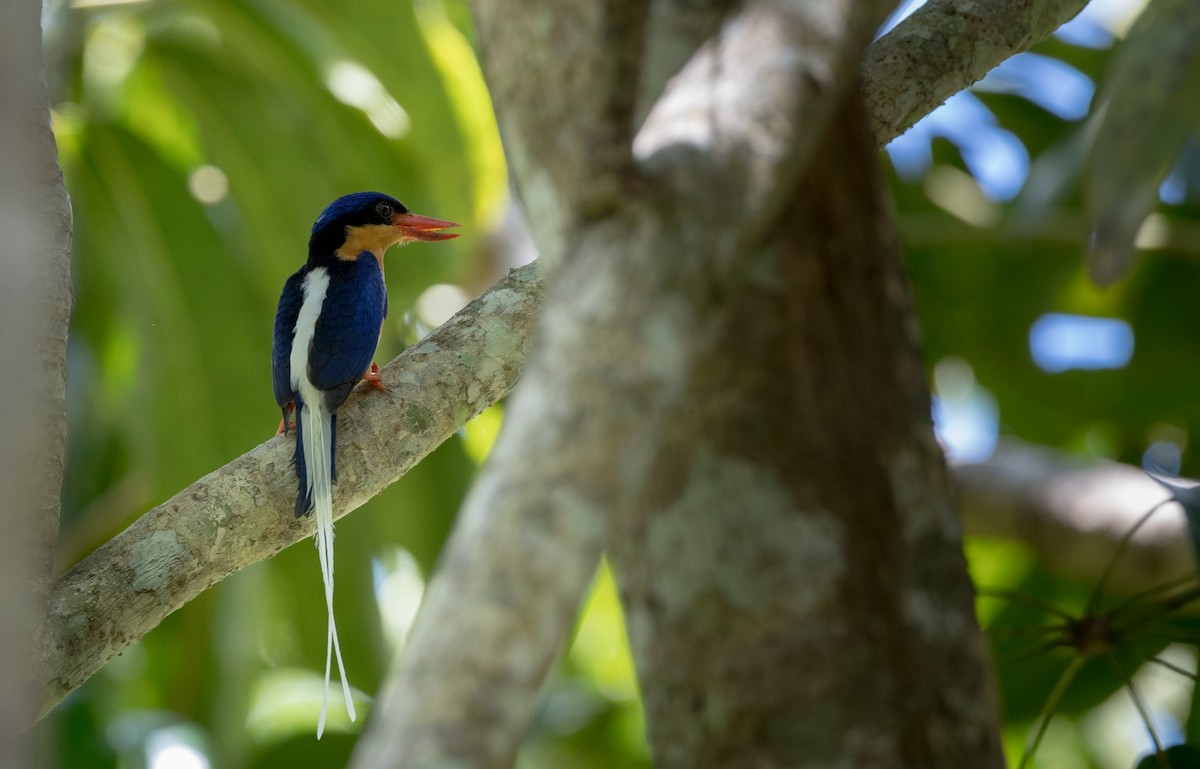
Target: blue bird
326	328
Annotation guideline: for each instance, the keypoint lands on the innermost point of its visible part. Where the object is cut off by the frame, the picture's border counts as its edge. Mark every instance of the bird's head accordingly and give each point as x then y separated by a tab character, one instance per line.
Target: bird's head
370	222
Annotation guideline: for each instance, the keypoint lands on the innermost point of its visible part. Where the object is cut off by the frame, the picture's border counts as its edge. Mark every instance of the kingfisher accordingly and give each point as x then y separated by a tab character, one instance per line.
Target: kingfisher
328	323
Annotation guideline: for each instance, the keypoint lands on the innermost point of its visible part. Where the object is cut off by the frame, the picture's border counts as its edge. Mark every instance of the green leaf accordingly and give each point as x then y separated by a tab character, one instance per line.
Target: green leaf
1187	493
1148	110
1174	757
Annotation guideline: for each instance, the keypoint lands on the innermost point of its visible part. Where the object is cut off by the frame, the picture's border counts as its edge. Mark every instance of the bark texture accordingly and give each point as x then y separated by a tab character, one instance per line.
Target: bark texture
795	586
945	46
35	309
562	464
792	573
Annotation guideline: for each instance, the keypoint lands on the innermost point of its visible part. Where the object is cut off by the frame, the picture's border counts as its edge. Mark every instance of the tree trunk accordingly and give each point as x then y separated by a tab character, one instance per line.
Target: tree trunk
35	308
793	575
725	380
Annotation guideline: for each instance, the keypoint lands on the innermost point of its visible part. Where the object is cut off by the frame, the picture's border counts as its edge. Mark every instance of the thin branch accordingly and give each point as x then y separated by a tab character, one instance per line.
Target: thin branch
1051	705
1138	701
1045	498
1146	615
1032	601
945	46
1174	668
1096	597
1152	594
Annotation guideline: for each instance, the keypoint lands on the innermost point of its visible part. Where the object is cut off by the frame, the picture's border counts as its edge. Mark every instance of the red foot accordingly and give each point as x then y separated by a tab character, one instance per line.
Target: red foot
285	425
373	378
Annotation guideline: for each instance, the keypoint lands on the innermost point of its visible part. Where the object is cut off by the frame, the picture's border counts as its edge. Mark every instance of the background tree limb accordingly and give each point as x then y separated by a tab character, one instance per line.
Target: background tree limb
35	309
945	46
1073	511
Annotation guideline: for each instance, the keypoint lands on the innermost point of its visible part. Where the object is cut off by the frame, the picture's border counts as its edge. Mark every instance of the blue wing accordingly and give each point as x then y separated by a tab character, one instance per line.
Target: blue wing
281	349
347	330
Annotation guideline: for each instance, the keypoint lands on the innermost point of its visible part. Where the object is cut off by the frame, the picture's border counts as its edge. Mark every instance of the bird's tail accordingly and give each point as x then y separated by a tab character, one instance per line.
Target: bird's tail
315	429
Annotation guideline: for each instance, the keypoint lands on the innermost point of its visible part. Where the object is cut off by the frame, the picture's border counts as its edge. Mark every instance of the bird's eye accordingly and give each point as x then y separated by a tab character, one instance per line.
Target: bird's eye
384	210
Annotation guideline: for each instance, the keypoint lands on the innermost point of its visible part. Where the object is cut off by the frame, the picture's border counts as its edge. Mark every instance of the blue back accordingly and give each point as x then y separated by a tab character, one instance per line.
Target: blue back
348	328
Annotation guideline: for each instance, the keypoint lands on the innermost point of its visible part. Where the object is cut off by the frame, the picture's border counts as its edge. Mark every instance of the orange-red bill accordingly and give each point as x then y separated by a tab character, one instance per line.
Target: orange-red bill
427	228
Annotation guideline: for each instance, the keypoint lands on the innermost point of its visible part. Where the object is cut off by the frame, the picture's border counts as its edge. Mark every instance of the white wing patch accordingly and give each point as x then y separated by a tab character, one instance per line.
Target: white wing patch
316	283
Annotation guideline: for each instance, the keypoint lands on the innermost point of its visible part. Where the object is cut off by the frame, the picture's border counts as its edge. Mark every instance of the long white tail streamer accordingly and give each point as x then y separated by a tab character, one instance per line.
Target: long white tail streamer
317	442
318	446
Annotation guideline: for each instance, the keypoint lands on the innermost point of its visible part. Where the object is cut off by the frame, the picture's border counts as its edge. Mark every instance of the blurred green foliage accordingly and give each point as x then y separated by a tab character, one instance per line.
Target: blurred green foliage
200	138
